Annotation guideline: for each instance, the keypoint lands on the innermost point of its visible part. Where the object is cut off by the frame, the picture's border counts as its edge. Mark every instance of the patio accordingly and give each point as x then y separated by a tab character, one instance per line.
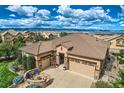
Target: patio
67	79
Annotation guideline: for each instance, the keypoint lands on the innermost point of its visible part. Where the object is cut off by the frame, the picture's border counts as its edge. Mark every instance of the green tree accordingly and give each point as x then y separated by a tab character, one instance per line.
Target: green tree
19	59
7	50
119	82
38	37
63	34
102	84
0	39
30	62
24	62
19	42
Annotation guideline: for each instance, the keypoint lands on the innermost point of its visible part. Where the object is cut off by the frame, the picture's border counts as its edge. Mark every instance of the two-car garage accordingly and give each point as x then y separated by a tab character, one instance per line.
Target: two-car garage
82	67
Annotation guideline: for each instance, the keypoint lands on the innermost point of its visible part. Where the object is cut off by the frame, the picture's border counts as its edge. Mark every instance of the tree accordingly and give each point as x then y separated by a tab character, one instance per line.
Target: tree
119	82
7	50
102	84
24	62
122	51
19	42
0	39
19	59
38	37
30	62
63	34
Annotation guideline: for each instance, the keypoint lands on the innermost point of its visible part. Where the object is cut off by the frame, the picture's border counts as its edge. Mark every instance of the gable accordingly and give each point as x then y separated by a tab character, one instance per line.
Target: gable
116	38
19	34
61	49
8	35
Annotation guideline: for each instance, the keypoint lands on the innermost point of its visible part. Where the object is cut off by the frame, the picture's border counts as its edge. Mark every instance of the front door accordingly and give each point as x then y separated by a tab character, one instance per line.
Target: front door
61	58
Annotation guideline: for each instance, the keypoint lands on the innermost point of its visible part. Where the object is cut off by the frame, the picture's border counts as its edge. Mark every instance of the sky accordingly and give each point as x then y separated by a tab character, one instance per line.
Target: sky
97	17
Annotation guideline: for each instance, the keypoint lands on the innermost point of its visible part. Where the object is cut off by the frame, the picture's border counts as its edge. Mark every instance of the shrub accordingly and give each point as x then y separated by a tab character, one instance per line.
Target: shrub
30	62
19	59
0	39
13	67
34	86
18	80
102	84
119	82
24	62
6	76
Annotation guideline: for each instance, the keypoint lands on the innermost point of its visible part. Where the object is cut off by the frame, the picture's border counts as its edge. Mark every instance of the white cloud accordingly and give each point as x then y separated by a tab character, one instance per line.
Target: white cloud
12	15
122	8
43	14
23	10
93	18
91	14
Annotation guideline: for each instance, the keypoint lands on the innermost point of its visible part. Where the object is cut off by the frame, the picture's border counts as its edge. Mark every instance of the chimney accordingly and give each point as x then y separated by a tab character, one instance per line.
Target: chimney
97	39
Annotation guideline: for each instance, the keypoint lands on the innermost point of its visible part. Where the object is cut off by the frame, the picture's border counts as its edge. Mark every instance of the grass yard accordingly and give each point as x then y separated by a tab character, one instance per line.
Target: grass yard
6	76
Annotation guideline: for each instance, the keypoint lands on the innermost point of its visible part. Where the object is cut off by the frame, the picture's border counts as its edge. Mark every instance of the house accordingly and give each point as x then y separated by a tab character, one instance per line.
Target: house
10	35
116	41
28	40
50	34
79	53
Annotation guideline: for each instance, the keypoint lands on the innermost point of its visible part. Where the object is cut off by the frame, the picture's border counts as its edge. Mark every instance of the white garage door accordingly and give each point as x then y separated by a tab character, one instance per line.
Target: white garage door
82	68
46	62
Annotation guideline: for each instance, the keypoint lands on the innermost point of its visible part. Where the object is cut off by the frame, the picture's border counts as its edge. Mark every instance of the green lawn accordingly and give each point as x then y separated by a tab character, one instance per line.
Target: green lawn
6	76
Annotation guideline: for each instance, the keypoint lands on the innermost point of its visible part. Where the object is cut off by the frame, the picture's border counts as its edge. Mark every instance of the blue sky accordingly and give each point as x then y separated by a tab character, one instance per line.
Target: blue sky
105	17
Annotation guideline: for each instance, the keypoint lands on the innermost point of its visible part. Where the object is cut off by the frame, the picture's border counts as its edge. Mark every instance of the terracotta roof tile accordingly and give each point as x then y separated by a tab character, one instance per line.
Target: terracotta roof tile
83	45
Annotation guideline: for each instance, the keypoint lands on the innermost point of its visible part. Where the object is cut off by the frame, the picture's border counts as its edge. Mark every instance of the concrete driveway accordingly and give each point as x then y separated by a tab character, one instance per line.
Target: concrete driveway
67	79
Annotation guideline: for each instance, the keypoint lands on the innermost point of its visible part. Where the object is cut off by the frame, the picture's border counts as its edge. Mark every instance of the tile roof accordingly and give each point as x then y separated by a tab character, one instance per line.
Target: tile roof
83	45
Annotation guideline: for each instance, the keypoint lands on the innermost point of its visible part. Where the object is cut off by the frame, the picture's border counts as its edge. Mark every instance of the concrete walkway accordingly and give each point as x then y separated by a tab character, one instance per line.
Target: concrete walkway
67	79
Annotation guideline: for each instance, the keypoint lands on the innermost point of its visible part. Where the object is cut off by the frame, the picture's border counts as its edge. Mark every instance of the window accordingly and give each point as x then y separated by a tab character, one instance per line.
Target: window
120	42
77	60
81	61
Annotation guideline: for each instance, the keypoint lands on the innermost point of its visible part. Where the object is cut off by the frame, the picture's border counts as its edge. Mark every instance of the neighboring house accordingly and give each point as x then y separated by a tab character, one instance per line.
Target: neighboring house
116	41
10	35
49	35
28	40
7	37
79	53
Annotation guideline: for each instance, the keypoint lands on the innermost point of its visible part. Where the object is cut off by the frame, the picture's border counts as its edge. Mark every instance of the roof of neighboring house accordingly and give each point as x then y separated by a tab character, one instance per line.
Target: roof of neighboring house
82	45
12	32
108	37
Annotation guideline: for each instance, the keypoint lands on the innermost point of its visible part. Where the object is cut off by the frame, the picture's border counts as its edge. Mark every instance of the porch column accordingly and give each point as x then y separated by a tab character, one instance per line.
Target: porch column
37	61
57	59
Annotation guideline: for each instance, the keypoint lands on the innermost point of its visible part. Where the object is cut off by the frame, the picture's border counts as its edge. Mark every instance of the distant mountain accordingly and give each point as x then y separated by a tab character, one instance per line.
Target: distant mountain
71	30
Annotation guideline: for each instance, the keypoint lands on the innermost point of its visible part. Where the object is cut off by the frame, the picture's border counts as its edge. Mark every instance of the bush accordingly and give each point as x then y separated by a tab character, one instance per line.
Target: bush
34	86
102	84
13	67
30	62
24	62
19	59
6	76
63	34
119	82
18	80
